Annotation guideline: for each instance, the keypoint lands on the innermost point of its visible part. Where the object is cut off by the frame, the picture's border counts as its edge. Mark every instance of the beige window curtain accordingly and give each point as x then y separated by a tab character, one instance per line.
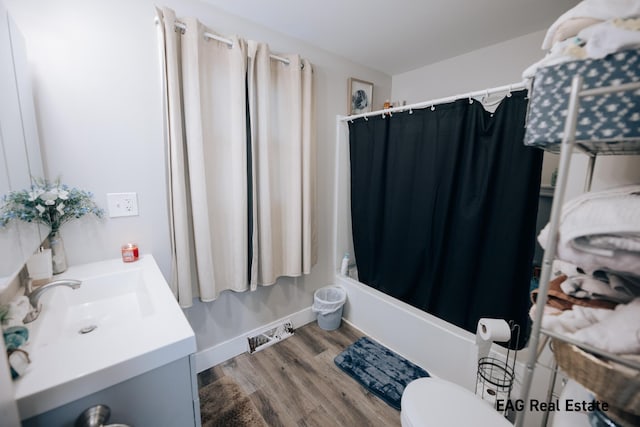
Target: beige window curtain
283	166
206	100
183	271
210	161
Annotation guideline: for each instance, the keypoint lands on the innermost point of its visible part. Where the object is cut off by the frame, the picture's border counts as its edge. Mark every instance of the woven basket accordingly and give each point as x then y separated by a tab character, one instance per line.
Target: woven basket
617	385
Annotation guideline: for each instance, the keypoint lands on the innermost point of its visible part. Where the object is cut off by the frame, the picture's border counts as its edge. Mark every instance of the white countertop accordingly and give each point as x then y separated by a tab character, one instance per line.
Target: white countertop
146	330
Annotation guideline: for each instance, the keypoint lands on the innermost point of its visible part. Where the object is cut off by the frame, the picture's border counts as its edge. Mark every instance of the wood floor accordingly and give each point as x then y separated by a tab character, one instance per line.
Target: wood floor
292	383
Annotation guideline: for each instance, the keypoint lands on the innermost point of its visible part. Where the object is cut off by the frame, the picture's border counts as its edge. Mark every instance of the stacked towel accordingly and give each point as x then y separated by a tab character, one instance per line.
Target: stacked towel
561	300
573	320
599	251
601	231
618	332
592	29
613	288
586	13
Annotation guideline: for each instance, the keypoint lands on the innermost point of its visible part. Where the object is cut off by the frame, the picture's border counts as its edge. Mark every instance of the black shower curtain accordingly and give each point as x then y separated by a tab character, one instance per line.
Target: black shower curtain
443	208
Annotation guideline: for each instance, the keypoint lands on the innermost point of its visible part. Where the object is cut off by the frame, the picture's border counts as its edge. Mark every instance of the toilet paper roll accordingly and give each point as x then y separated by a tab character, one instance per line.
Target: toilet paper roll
489	331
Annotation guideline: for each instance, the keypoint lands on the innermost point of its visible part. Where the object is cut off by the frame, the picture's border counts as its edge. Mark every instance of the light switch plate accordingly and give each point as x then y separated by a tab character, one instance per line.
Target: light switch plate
122	204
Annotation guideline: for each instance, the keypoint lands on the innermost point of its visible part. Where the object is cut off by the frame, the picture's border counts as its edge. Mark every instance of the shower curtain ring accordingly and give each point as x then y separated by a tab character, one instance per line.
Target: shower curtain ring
366	119
470	99
433	108
410	111
509	93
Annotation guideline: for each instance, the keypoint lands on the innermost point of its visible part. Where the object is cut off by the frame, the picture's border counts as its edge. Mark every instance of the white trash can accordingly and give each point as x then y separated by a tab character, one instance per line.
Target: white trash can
328	302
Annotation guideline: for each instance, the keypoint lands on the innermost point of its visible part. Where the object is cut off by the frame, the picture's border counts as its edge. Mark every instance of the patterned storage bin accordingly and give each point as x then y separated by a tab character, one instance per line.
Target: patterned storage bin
606	123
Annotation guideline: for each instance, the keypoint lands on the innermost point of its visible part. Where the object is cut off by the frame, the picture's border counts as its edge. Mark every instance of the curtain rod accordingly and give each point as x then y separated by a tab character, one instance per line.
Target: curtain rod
182	26
432	103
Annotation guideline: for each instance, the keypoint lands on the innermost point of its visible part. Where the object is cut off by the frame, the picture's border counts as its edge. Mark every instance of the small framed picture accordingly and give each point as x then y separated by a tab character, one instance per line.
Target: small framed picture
360	96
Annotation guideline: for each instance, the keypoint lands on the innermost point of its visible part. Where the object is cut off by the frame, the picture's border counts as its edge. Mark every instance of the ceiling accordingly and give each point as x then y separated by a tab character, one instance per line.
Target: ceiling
399	35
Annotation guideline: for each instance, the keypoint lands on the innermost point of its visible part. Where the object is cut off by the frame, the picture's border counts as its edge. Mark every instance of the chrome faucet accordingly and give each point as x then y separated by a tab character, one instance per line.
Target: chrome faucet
34	296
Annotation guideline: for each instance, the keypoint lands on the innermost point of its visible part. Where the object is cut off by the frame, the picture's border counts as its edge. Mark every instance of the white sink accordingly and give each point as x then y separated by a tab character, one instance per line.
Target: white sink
102	304
121	322
114	300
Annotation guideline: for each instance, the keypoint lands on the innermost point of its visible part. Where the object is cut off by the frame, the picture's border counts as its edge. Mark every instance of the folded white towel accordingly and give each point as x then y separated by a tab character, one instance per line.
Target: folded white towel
562	267
608	242
587	286
564	51
625	262
610	212
547	311
606	38
598	9
573	320
603	214
617	333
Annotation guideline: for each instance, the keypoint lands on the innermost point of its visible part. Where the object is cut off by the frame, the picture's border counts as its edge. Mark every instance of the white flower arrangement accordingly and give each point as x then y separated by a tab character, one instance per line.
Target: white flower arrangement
52	204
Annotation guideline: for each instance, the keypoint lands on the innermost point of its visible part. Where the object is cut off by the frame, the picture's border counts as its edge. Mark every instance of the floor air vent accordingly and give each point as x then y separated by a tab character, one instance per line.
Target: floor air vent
270	337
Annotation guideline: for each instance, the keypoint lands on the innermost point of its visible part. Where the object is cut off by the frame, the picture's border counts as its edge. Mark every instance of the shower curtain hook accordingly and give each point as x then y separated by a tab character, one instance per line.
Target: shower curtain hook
410	110
470	99
366	119
433	107
509	93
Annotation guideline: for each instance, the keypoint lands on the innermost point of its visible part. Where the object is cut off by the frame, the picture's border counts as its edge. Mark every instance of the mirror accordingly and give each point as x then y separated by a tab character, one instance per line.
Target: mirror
19	147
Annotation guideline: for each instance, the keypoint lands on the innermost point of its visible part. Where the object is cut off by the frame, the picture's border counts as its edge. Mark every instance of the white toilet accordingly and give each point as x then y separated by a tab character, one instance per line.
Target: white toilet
436	402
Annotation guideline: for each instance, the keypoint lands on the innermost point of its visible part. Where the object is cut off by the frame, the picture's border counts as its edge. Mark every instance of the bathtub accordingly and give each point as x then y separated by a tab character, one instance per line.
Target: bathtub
444	350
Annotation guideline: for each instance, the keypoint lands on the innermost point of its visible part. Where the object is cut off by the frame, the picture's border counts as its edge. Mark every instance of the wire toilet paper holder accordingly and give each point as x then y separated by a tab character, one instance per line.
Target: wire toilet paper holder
495	375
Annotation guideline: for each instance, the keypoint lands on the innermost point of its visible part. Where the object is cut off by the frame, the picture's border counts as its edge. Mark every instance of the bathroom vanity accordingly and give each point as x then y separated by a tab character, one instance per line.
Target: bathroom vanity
120	340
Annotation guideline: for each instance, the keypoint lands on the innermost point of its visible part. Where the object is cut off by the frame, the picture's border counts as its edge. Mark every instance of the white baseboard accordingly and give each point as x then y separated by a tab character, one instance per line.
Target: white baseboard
226	350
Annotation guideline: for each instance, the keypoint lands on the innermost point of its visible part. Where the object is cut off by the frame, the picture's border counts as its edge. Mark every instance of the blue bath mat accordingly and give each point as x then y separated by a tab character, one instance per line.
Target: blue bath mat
378	369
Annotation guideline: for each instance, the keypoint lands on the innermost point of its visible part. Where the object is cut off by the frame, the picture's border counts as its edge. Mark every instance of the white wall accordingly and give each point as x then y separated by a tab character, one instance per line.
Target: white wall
97	88
492	66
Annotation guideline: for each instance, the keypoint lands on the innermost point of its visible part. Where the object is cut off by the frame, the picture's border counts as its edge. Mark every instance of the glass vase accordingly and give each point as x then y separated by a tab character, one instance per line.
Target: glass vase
58	256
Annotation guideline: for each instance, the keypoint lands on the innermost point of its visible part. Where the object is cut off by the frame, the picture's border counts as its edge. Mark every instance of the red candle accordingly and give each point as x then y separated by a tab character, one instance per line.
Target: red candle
130	252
